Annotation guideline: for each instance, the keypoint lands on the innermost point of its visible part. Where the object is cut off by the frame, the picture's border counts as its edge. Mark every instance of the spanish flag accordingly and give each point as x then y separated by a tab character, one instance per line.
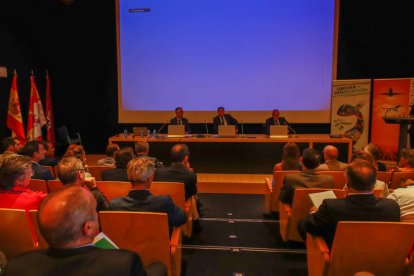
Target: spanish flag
14	114
36	118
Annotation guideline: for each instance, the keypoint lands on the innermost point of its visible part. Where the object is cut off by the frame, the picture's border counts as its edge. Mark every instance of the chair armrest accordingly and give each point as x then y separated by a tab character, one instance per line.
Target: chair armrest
175	251
318	255
269	186
268	194
285	215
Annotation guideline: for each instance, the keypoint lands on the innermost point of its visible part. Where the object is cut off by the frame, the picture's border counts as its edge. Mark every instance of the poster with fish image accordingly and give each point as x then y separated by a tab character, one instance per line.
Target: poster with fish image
350	110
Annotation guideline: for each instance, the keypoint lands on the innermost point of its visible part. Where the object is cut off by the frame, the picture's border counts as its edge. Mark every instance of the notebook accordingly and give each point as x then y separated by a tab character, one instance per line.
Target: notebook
176	131
227	131
278	131
317	198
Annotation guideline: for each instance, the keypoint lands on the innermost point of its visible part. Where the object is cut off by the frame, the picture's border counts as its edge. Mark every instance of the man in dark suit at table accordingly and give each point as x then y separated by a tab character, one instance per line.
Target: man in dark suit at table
179	119
359	205
223	119
68	222
139	199
275	120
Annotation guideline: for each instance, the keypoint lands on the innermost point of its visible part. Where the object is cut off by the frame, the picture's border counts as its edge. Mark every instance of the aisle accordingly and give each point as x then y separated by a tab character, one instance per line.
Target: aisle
237	240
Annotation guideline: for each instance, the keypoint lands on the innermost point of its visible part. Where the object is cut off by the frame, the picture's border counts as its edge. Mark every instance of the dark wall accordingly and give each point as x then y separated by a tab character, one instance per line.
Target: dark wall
77	44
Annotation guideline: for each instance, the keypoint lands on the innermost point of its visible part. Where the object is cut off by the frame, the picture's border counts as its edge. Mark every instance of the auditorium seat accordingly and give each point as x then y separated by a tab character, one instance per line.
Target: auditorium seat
384	177
42	244
380	248
290	216
51	170
15	232
38	185
112	189
96	171
338	176
177	193
147	234
397	177
54	185
272	191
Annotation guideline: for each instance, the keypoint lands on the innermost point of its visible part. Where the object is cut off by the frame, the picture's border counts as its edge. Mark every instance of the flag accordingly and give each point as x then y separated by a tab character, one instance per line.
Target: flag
36	118
14	113
50	124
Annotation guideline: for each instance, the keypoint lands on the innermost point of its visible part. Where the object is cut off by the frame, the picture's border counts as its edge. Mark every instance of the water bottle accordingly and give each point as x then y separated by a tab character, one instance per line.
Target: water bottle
154	133
148	132
141	133
125	133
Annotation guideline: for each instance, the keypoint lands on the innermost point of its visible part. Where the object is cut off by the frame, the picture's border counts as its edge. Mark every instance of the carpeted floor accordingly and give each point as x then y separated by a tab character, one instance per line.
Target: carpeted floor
236	239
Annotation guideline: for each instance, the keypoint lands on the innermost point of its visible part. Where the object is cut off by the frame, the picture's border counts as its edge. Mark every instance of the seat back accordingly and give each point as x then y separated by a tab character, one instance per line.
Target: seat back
380	248
145	233
42	244
112	189
38	185
15	232
54	185
174	189
338	176
96	171
300	209
397	177
384	177
278	177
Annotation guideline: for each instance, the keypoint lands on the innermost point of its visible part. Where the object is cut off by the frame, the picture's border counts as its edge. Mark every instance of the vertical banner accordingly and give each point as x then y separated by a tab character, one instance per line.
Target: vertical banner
350	110
391	98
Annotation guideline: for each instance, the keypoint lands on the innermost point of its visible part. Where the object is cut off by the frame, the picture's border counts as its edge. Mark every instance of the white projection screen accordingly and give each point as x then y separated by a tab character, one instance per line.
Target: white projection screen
249	56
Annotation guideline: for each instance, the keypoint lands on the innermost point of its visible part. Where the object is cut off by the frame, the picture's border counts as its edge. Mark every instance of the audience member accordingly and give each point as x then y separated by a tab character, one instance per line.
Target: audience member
141	172
179	119
68	222
275	120
290	158
142	150
122	157
36	151
376	153
10	146
50	159
179	171
330	154
379	185
404	196
109	160
307	178
78	152
406	163
15	174
71	171
223	119
359	205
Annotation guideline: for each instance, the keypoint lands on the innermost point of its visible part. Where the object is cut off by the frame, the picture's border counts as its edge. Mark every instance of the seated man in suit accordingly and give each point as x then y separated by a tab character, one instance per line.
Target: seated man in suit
142	150
275	120
307	178
68	222
141	173
330	154
36	151
50	159
122	157
71	171
359	205
223	119
179	171
180	120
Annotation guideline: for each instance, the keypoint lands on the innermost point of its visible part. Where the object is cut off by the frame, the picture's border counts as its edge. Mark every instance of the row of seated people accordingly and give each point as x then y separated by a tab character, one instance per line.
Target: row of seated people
16	171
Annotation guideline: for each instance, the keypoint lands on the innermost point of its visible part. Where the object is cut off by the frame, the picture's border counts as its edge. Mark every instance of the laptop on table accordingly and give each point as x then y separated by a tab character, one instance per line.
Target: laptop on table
227	131
176	131
278	131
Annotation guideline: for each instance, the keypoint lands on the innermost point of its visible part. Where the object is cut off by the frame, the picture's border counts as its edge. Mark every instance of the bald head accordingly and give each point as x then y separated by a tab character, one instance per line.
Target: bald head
67	218
330	152
361	175
179	152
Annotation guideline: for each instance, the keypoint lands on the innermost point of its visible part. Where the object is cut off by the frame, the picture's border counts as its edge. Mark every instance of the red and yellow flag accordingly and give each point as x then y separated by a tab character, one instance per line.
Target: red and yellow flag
36	118
14	114
50	124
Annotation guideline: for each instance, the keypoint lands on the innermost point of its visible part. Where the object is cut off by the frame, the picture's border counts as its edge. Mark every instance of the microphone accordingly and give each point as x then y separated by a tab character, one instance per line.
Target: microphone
242	128
291	129
163	125
205	124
